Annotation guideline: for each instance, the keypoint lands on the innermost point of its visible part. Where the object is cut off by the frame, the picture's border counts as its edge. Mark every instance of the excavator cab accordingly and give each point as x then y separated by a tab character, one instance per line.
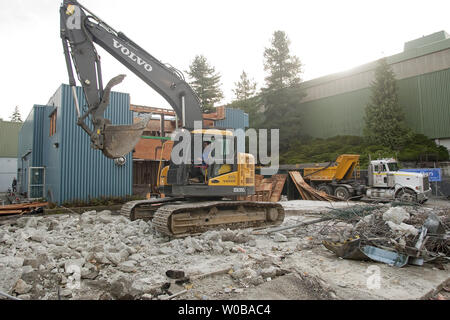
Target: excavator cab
226	172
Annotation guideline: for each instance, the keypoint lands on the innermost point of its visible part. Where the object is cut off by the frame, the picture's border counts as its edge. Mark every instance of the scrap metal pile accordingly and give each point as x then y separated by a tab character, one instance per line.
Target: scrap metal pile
24	208
397	236
267	189
307	192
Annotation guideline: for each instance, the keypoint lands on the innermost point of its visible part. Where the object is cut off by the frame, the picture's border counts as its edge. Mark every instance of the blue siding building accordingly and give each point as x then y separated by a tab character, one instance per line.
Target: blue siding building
234	119
55	160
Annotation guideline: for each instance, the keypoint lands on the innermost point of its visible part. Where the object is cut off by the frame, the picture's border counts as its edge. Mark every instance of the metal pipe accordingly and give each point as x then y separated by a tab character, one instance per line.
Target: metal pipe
183	108
75	98
8	296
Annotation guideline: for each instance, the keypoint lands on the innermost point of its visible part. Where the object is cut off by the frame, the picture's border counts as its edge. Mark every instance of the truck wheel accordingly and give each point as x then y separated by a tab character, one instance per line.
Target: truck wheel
325	188
406	195
342	193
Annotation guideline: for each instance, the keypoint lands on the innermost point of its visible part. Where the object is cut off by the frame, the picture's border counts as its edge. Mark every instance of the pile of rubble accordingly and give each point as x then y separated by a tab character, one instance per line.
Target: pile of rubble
105	256
395	235
101	255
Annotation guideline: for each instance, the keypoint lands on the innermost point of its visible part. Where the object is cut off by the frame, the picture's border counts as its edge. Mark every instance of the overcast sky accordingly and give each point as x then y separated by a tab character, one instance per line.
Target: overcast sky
327	36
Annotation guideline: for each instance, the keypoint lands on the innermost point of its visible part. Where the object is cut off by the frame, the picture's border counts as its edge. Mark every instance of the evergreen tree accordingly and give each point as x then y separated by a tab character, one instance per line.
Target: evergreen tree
384	118
282	96
16	117
205	82
284	69
245	88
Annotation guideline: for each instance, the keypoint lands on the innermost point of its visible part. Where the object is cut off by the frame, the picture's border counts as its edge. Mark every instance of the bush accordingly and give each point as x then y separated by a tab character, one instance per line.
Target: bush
309	150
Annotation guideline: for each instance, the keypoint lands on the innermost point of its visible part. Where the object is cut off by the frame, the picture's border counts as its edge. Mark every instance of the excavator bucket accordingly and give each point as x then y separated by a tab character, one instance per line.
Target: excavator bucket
119	140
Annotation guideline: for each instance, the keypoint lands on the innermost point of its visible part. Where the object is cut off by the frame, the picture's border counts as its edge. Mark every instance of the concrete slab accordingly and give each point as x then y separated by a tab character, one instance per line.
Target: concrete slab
350	279
301	207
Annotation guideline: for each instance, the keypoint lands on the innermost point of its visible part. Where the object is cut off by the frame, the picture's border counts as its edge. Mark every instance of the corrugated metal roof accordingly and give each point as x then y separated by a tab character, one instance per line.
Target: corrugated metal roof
9	138
406	55
426	40
425	100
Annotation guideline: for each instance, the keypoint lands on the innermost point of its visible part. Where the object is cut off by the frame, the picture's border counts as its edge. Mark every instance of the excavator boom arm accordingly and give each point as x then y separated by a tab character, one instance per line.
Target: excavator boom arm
80	29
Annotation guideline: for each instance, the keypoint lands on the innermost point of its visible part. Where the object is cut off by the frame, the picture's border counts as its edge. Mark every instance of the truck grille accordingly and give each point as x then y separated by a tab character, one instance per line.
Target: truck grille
426	183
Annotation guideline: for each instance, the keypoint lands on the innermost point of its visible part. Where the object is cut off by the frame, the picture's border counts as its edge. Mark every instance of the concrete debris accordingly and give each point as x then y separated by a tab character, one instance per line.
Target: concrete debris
278	237
396	215
100	255
403	228
22	287
128	266
13	262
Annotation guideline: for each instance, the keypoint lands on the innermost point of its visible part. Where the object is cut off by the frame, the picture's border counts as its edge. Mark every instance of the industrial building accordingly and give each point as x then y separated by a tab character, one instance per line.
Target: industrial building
55	160
9	131
335	104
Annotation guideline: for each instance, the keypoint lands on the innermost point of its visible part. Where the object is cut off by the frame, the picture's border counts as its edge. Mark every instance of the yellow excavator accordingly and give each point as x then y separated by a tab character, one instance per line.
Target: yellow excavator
198	197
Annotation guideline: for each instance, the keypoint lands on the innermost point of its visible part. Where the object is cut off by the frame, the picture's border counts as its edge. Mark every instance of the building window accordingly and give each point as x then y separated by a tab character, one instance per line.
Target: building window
53	123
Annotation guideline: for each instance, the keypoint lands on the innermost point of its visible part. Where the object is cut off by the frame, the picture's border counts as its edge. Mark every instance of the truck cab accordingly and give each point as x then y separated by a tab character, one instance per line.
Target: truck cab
386	181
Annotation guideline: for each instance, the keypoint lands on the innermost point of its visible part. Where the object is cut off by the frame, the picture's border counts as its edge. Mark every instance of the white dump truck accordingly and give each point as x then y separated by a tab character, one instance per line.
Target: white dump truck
384	180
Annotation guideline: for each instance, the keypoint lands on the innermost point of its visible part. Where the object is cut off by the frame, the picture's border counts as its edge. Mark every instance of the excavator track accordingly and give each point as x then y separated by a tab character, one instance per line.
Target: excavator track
144	209
182	220
185	218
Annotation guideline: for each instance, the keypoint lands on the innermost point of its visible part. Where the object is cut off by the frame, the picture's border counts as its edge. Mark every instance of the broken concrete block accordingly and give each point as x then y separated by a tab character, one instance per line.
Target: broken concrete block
100	257
217	249
22	287
105	219
396	215
142	286
147	297
195	244
268	272
74	265
39	235
257	281
252	243
244	273
127	266
66	293
13	262
279	237
403	228
27	269
90	274
136	257
227	235
212	235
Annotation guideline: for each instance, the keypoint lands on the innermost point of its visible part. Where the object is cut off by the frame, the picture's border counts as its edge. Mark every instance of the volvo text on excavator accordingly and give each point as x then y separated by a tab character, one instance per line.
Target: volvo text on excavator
192	204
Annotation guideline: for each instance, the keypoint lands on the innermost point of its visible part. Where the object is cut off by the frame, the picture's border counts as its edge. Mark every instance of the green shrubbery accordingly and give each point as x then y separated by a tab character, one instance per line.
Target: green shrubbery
418	148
